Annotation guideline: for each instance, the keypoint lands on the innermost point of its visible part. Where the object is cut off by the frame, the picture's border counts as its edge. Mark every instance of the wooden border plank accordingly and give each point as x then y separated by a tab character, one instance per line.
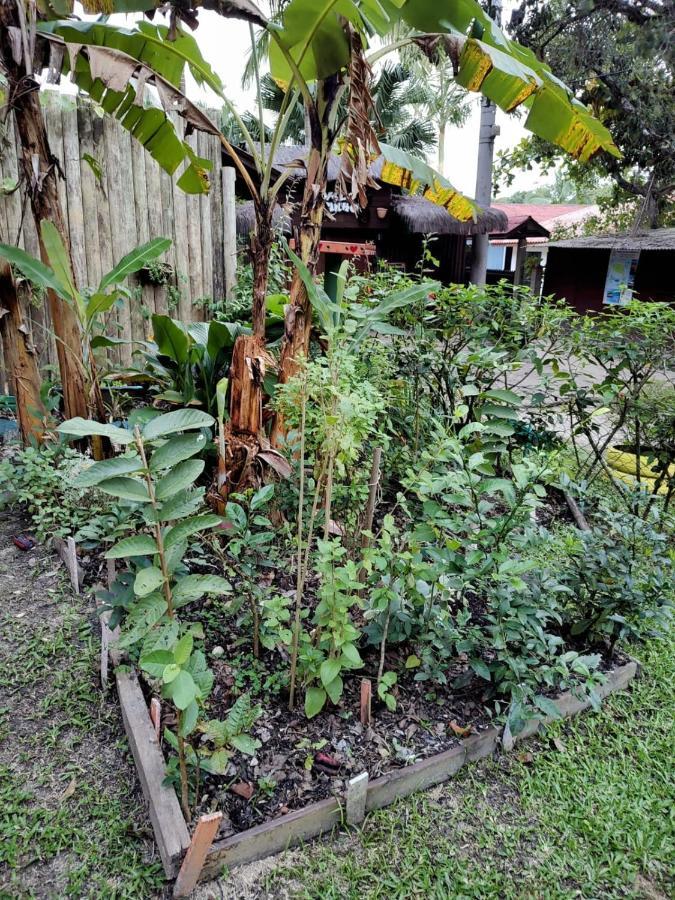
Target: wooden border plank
273	837
355	800
168	824
204	833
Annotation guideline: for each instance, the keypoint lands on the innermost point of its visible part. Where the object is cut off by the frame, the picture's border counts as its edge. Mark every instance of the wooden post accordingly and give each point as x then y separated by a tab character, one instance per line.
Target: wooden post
357	791
372	495
229	231
204	834
366	697
156	715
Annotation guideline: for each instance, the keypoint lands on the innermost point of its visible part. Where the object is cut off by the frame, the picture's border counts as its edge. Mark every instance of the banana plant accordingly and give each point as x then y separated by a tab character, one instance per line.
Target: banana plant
90	307
155	477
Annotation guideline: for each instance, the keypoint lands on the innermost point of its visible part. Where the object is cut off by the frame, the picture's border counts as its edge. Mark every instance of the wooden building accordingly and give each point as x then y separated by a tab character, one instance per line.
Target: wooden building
392	226
595	272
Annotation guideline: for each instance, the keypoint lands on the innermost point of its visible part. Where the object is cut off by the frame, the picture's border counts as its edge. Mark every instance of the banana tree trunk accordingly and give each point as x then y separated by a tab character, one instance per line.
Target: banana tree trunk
20	360
298	318
40	171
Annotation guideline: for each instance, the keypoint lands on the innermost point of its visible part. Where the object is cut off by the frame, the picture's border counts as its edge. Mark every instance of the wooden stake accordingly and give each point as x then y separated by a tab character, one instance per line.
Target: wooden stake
229	230
156	715
357	790
372	495
204	834
577	514
366	697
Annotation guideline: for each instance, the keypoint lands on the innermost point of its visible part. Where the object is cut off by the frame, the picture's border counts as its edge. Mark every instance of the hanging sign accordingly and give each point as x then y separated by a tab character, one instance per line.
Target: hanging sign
620	277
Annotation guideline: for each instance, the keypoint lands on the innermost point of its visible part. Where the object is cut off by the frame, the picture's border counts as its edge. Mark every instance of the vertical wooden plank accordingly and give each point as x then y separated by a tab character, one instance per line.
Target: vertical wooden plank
194	248
204	834
218	263
117	184
91	193
155	297
140	210
229	231
129	237
162	300
100	142
71	168
204	145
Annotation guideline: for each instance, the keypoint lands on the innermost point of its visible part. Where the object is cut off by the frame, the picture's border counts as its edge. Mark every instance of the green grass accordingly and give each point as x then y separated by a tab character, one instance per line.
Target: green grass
588	812
71	820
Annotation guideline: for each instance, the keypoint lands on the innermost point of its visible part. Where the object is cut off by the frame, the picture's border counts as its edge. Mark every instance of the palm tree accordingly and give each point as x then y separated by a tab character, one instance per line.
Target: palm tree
399	97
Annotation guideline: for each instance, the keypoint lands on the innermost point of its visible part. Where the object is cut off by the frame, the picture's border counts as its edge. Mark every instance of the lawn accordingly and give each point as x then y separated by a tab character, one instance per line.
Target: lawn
587	811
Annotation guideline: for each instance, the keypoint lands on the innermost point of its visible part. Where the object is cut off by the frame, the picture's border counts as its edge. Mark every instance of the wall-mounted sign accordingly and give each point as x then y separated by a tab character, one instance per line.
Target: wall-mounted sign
620	277
335	204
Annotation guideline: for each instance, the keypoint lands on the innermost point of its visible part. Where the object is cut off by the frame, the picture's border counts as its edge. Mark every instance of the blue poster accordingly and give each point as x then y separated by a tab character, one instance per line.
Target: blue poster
620	277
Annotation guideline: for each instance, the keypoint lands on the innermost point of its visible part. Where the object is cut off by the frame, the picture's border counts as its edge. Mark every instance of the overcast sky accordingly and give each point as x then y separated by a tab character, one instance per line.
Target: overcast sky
225	44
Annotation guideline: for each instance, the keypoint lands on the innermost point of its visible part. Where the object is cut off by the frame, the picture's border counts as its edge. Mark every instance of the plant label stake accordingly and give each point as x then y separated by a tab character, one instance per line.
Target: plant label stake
156	715
357	790
366	697
205	832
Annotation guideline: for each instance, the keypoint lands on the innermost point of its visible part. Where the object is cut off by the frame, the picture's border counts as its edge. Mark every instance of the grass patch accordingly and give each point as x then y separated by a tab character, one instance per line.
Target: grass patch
71	817
589	811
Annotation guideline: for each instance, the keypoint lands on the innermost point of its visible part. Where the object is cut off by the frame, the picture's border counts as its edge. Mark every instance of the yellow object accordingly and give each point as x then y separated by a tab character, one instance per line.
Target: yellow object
624	466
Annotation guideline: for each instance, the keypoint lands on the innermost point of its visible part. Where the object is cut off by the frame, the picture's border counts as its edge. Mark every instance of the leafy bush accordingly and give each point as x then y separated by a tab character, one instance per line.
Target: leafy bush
43	480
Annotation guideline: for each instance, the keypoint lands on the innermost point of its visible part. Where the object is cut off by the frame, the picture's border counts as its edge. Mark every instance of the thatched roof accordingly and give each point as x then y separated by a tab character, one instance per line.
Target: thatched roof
293	157
658	239
421	216
245	214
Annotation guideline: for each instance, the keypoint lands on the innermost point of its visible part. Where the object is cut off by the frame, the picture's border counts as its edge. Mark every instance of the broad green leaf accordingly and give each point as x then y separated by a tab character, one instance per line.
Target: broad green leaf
99	303
188	721
155	662
102	59
404	170
190	526
480	668
330	669
236	515
107	468
261	497
79	427
178	420
221	336
547	706
59	260
183	649
134	261
413	662
170	672
334	689
315	699
202	675
179	478
193	587
175	555
182	690
171	338
499	412
176	450
126	489
351	656
144	615
179	506
34	270
147	581
138	545
245	744
505	396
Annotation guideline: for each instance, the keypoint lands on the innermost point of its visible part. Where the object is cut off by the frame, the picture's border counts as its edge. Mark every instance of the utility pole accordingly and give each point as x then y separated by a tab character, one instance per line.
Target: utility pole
486	147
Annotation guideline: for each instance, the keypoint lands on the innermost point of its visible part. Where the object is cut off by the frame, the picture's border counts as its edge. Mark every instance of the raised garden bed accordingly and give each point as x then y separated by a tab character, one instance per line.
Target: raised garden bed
203	855
361	796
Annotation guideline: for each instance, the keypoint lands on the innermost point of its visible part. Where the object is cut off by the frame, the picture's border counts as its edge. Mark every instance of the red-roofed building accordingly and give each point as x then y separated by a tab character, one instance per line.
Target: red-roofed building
518	253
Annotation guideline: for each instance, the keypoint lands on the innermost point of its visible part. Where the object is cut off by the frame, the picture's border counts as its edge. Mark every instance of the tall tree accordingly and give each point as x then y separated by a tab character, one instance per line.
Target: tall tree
617	55
40	172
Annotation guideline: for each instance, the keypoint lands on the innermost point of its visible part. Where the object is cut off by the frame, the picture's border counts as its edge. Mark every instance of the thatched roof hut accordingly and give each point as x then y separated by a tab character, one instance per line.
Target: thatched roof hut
391	227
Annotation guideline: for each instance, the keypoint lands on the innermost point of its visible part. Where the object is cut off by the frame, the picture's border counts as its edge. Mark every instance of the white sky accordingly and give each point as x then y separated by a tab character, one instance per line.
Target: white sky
225	43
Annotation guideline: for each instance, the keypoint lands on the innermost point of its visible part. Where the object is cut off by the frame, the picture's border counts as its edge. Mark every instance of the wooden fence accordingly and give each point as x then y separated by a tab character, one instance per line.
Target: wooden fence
132	202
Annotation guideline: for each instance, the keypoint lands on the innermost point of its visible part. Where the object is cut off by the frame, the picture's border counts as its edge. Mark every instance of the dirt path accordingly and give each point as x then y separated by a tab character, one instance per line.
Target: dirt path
72	822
